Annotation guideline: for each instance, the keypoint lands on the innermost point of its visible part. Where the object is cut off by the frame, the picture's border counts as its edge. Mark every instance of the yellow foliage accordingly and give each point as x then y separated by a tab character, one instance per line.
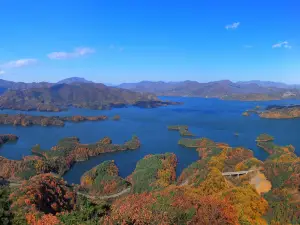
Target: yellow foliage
244	165
218	161
214	183
164	177
248	203
286	158
86	181
39	165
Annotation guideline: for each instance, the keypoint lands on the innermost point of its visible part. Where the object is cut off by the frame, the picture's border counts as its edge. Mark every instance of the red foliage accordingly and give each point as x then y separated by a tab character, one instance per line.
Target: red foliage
44	220
43	193
213	211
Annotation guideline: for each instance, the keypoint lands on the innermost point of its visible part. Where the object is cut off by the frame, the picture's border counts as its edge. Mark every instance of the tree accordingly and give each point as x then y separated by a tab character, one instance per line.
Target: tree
5	213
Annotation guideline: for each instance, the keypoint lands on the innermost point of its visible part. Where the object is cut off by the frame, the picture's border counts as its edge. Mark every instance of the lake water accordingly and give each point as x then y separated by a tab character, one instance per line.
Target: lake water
211	118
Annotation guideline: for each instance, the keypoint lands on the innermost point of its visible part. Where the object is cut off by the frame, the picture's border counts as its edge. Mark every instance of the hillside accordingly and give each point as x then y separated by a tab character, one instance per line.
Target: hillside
223	89
72	80
61	96
5	85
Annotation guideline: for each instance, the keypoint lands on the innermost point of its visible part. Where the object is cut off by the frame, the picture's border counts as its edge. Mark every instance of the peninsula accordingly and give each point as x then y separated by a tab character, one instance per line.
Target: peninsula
29	120
281	112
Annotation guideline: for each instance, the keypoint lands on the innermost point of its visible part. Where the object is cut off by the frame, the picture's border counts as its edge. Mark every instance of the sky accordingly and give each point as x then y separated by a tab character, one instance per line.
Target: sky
133	40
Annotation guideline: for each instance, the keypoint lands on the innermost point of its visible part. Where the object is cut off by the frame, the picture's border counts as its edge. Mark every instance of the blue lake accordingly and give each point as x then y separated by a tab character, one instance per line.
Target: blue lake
211	118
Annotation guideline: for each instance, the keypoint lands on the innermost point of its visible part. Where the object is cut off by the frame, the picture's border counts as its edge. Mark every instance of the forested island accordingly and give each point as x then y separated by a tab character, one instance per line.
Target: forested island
276	112
183	130
281	112
60	157
227	185
29	120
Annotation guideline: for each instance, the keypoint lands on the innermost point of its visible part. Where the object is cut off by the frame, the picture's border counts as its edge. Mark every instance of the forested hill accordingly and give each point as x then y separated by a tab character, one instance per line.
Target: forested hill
83	95
223	89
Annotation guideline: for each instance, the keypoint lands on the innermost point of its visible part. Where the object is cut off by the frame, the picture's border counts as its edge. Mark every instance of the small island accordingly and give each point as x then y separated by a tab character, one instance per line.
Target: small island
116	117
246	113
29	120
183	130
264	138
4	138
281	112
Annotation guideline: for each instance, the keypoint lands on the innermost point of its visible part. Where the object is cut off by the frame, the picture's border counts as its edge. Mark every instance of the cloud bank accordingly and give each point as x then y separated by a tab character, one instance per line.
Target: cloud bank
78	52
20	63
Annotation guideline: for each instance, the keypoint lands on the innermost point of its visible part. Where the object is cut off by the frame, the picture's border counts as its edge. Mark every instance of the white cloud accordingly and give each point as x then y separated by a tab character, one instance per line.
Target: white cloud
232	26
2	72
68	55
19	63
283	44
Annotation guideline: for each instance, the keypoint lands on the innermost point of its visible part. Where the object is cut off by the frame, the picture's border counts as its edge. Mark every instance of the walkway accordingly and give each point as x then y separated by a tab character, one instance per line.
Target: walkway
238	173
125	191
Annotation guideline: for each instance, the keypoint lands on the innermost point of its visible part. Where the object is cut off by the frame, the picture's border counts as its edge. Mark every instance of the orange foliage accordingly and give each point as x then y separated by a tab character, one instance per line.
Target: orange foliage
133	208
213	211
47	219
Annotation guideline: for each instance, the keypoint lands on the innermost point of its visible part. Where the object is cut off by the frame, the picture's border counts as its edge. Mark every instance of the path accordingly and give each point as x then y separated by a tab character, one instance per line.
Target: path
125	191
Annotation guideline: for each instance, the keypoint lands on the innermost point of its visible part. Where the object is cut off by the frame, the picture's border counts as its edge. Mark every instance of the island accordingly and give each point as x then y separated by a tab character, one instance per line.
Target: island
4	138
29	120
60	158
60	97
102	180
183	130
281	112
116	117
264	138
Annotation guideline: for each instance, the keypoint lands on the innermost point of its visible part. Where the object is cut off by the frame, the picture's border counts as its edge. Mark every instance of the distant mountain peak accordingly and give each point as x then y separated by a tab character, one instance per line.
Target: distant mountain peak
72	80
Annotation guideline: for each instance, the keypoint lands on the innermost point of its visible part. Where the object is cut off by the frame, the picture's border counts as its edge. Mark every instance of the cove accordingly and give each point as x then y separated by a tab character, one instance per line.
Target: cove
211	118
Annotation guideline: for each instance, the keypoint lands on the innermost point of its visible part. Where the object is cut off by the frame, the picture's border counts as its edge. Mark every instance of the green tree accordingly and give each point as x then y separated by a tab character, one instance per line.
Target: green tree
5	213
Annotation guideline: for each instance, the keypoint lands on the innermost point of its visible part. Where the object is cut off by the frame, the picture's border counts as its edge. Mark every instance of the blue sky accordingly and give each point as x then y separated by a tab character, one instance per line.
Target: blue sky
128	41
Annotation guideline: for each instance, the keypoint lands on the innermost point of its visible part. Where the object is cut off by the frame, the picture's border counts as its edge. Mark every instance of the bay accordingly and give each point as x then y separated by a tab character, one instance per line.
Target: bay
211	118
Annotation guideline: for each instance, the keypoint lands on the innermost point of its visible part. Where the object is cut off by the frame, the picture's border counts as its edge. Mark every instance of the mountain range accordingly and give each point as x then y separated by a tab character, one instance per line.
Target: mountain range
224	89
